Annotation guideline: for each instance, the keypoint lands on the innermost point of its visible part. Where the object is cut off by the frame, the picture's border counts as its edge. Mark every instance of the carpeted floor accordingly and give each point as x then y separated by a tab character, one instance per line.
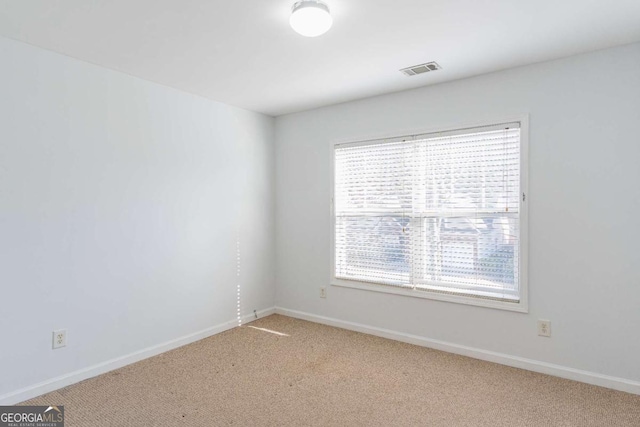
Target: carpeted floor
323	376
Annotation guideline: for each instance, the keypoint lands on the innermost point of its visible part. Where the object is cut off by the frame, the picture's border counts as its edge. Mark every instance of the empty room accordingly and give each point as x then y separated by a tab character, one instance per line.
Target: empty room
319	213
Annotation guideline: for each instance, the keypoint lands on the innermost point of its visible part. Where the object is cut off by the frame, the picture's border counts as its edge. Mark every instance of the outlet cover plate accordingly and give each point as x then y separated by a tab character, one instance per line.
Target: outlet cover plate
544	328
59	338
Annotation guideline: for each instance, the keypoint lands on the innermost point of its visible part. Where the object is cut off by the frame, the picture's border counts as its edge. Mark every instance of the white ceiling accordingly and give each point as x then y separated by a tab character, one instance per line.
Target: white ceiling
243	52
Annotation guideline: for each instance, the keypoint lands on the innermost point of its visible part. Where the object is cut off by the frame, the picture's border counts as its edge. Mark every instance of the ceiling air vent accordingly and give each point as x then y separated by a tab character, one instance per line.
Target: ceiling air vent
421	69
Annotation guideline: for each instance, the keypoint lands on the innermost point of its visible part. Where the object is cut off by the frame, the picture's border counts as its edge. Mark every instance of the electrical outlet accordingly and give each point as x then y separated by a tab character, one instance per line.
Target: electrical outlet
59	338
544	328
323	292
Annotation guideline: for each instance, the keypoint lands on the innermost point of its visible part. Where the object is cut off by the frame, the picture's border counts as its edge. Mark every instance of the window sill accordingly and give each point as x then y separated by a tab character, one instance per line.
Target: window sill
520	307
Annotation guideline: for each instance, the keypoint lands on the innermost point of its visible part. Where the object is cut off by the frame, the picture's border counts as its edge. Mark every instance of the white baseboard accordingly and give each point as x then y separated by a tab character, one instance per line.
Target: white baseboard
50	385
504	359
593	378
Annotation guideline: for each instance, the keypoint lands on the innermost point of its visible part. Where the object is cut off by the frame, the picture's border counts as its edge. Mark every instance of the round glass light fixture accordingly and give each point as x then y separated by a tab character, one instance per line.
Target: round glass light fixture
310	18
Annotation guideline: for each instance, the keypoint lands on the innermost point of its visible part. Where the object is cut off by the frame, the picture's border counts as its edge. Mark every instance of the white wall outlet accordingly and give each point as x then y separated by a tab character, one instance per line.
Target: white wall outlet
59	338
544	328
323	292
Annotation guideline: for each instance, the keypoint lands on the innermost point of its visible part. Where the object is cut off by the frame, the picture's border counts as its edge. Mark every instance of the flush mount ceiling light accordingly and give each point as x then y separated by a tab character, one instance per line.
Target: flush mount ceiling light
310	18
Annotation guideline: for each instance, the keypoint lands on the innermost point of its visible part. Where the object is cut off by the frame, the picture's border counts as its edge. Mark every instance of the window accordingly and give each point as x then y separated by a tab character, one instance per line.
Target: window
438	215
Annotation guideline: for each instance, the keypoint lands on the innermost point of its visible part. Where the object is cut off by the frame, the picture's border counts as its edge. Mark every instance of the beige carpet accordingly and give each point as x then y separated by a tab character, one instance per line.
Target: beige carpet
324	376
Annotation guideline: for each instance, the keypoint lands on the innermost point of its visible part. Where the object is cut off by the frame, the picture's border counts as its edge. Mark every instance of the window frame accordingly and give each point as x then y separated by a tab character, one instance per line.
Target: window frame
521	306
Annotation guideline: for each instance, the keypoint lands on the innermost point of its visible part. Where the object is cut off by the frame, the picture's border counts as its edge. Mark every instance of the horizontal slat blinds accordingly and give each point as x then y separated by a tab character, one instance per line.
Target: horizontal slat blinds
436	212
372	194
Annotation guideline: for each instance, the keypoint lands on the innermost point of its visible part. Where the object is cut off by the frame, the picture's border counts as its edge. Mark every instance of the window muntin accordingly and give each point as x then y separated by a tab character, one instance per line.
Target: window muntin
434	212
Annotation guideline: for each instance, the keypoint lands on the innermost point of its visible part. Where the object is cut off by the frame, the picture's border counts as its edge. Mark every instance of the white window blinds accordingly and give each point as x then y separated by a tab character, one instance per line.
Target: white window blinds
434	212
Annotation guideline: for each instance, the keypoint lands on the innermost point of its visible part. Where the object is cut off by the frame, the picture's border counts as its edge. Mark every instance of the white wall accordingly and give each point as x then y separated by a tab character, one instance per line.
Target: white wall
584	198
120	201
